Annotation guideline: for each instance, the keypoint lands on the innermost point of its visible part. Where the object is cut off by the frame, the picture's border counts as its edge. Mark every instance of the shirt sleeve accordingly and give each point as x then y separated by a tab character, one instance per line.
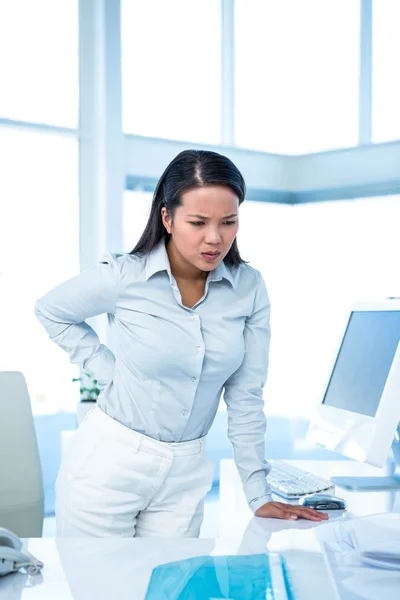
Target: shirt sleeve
245	406
63	310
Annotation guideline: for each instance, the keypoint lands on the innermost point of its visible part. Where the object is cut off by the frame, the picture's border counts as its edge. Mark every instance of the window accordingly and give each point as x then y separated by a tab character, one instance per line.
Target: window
39	248
386	65
39	61
136	210
297	72
171	69
343	252
317	260
265	231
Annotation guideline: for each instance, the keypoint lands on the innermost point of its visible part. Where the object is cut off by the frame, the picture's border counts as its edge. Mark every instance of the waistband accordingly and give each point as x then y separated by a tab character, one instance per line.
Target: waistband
138	441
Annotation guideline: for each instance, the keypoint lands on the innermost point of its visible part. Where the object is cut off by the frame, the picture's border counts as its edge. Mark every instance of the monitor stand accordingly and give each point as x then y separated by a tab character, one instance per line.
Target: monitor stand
375	484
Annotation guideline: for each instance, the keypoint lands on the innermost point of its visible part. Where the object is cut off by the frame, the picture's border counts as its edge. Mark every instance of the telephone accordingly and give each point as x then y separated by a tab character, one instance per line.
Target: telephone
13	556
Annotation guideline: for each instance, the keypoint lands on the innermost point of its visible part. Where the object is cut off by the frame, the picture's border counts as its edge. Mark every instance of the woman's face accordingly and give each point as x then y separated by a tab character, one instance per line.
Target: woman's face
207	222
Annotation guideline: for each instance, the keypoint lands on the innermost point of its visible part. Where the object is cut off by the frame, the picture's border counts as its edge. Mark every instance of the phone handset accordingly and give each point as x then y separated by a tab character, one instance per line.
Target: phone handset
13	556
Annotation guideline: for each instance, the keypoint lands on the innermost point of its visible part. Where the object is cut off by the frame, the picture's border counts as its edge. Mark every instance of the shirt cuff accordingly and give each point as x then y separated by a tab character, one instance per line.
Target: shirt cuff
257	492
257	502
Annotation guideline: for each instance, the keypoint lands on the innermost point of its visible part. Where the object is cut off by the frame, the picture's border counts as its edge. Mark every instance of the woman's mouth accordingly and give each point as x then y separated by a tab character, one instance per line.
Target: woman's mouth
210	256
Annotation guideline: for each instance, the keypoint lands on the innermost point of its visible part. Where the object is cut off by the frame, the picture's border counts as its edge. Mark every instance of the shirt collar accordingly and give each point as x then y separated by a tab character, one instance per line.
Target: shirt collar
157	260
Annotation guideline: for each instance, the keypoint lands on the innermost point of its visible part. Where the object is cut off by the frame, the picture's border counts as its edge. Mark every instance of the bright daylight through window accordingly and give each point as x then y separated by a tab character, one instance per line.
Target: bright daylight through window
171	74
297	65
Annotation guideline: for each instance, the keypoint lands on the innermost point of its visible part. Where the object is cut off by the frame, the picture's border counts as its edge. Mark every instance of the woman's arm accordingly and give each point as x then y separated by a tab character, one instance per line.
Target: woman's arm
246	419
63	310
244	399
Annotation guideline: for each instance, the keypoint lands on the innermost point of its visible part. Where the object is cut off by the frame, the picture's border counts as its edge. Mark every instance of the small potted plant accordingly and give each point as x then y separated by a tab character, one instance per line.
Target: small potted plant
89	392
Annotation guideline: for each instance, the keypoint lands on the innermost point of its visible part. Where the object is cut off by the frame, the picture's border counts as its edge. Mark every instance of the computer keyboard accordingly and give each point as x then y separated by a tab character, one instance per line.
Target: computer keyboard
292	482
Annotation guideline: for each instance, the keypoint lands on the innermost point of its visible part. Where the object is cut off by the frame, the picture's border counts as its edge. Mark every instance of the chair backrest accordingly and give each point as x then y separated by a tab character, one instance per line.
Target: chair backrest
21	483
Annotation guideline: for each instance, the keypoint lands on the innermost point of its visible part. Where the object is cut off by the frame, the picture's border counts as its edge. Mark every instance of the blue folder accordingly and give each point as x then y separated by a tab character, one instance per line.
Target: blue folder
249	577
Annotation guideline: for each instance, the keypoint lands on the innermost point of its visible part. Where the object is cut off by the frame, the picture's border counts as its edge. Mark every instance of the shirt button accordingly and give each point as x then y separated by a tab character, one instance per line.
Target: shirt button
184	412
199	349
193	379
194	317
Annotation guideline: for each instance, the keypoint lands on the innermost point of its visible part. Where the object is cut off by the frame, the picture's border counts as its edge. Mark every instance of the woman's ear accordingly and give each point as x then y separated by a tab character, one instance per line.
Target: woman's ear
166	219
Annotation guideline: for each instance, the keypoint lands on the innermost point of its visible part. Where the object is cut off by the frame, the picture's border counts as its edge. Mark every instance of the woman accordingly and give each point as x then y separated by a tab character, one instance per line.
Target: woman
189	318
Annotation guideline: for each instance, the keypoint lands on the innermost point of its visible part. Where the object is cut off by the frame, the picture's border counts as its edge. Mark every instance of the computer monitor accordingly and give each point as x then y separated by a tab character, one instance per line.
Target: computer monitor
359	414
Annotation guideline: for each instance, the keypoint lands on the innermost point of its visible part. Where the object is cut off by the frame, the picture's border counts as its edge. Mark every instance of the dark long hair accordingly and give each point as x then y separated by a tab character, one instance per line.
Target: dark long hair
190	169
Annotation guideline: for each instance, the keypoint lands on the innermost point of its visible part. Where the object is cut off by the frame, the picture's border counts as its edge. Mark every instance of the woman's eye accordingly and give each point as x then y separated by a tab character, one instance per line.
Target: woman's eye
197	223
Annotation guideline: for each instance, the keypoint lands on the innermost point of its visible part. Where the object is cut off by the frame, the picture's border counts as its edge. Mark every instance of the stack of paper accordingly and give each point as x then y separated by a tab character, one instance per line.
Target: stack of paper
374	540
387	557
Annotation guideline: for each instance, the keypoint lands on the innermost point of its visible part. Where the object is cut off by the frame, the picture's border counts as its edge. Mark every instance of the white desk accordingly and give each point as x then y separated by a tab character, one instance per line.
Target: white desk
120	568
115	568
300	541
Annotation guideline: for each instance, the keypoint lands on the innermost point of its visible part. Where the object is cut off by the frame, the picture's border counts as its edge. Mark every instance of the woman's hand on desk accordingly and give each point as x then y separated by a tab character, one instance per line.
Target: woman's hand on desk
280	510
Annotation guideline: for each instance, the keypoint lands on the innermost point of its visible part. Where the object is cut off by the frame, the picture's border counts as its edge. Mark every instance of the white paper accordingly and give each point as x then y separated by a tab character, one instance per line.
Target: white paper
374	540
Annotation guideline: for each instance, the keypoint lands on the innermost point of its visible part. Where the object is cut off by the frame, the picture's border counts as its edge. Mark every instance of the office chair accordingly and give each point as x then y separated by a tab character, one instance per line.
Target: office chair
21	484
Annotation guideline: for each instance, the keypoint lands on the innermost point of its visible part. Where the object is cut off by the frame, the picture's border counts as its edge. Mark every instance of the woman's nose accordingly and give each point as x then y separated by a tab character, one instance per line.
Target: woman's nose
213	236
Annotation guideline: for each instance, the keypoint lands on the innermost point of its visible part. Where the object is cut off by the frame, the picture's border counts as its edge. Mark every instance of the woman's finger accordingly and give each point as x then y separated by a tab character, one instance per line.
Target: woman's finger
314	512
280	510
308	513
288	511
276	510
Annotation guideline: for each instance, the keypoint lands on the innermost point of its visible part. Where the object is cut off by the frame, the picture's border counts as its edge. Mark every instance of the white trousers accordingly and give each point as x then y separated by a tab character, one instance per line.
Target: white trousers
116	482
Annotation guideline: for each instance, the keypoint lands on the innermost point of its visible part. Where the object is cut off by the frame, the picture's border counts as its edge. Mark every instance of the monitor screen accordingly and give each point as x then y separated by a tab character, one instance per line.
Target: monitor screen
363	362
